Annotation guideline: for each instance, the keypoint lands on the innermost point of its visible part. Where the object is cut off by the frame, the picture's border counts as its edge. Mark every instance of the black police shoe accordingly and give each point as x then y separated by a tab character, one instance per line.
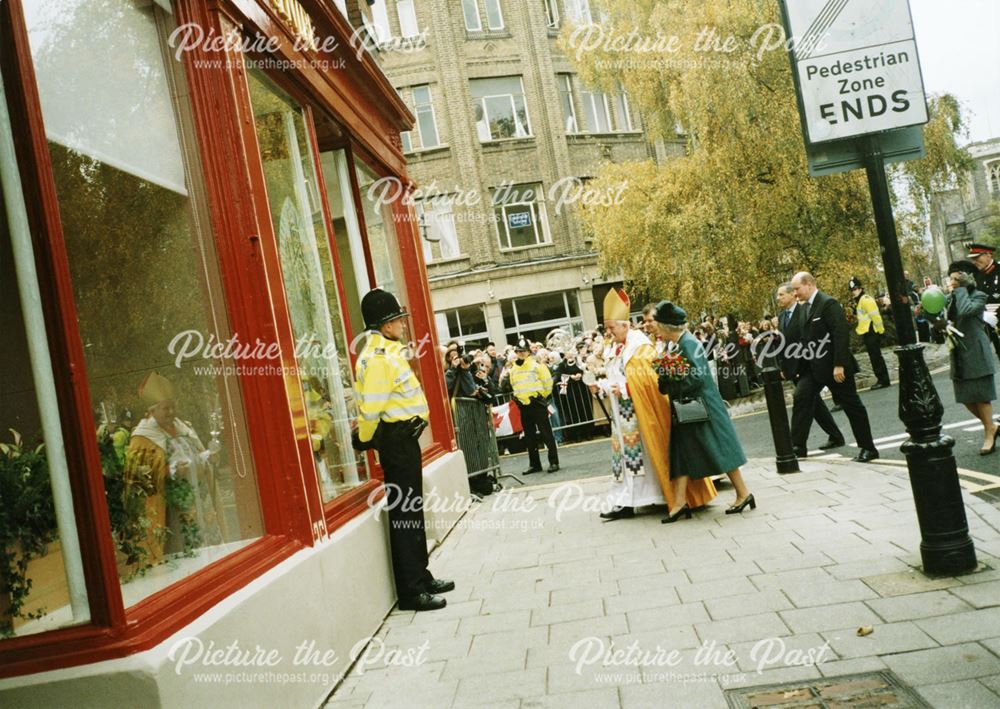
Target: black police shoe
439	586
422	602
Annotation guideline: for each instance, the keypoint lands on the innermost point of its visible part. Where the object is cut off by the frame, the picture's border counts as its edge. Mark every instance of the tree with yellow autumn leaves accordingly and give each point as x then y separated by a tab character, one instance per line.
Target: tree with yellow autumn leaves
718	228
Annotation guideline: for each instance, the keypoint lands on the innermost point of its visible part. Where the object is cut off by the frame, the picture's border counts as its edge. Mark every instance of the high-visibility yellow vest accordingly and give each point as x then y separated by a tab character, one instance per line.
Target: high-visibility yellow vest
386	387
529	379
868	315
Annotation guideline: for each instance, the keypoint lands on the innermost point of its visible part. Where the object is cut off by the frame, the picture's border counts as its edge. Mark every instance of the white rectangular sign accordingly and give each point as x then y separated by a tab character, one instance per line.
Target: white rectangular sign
857	67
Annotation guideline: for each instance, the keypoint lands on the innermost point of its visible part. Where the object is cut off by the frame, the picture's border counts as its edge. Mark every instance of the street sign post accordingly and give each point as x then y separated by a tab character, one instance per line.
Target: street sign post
857	79
856	72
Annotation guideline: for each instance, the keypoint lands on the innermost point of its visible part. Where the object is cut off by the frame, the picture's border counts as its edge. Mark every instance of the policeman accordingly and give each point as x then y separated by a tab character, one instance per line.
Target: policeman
988	281
392	413
531	383
870	327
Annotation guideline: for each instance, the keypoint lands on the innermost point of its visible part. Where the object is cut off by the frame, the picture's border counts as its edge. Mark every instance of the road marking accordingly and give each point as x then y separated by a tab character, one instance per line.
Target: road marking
980	476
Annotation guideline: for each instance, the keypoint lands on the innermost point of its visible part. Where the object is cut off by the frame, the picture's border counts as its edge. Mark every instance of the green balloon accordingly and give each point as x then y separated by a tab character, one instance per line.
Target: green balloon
932	300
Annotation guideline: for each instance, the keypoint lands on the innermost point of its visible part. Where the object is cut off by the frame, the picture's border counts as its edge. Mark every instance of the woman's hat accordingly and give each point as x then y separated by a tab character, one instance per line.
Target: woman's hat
670	314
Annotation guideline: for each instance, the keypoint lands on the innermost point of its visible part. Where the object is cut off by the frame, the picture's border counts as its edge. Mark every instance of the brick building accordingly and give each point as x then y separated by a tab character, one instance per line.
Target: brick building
959	216
506	138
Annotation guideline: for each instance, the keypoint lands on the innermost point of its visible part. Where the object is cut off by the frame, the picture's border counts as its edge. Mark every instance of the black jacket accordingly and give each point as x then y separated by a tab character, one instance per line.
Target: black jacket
792	334
825	339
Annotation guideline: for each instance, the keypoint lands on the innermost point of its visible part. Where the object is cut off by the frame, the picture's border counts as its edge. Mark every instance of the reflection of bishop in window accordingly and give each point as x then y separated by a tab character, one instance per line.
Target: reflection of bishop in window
164	448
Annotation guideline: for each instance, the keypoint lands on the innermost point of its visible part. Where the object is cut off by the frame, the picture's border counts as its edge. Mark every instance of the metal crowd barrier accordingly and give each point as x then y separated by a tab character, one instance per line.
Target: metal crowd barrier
578	417
476	436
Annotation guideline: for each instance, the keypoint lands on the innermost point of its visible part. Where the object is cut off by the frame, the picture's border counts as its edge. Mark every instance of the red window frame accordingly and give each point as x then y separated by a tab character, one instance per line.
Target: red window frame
292	513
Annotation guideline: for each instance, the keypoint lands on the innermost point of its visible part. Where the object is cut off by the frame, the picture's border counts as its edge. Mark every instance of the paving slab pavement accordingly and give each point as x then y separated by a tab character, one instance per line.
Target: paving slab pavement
557	608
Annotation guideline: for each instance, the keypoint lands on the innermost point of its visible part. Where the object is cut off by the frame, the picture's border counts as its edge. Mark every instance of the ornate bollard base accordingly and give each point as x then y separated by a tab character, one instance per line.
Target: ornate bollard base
774	394
945	547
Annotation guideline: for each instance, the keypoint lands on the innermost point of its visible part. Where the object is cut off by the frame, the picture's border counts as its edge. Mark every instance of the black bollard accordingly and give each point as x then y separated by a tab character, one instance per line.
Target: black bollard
774	393
945	546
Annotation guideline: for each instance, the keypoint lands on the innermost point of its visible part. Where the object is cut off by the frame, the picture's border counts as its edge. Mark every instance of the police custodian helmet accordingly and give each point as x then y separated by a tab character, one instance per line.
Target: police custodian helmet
379	307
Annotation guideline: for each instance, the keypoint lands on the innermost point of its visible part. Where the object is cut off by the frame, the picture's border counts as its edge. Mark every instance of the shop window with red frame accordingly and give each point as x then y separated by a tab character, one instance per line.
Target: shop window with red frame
310	285
179	477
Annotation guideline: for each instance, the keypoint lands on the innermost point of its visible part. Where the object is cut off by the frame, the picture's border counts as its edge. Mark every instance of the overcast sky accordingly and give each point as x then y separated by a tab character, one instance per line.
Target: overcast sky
959	45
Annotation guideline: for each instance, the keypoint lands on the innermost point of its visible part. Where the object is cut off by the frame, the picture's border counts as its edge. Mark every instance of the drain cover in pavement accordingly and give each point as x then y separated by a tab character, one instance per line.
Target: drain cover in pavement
881	690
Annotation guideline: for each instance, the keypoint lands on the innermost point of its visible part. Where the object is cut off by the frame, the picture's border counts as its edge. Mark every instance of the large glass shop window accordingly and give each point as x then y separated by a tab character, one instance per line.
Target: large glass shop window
310	285
36	582
178	473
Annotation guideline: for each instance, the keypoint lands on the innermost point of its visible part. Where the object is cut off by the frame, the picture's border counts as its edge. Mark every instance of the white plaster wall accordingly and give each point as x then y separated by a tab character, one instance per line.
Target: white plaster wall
334	595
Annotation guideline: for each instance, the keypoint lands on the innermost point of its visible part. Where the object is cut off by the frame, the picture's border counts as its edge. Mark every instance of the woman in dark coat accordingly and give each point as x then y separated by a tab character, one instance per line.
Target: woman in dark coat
700	450
572	398
972	365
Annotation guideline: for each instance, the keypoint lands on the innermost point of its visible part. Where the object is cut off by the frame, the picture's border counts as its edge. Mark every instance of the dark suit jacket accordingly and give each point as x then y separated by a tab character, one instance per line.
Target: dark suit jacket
826	339
792	333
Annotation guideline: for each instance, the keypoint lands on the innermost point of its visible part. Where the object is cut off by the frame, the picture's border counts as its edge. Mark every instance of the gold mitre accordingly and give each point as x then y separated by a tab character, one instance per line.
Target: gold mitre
155	388
616	305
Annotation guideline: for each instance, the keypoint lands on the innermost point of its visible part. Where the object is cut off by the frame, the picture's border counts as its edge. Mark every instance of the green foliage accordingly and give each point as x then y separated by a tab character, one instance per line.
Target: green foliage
720	227
126	501
27	523
180	496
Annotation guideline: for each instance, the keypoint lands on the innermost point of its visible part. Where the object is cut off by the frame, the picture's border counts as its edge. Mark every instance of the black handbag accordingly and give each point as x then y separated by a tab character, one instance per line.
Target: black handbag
688	411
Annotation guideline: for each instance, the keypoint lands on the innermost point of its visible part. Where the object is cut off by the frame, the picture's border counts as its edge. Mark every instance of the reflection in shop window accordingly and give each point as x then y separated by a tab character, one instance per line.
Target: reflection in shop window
178	473
440	240
310	286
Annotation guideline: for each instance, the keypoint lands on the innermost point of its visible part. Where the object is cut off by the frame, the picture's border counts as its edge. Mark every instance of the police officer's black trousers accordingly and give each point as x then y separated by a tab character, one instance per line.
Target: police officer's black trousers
535	422
873	345
399	454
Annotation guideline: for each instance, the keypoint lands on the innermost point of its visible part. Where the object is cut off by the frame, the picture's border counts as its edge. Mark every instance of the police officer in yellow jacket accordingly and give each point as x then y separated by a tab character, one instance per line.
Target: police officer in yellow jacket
531	384
870	327
392	413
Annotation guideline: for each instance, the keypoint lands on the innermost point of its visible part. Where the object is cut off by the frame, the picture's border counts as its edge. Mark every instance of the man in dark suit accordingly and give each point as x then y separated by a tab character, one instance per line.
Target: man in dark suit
826	360
790	327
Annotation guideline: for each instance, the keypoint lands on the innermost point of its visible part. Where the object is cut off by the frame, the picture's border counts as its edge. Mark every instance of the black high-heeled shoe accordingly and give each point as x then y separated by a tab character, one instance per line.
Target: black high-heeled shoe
736	509
671	518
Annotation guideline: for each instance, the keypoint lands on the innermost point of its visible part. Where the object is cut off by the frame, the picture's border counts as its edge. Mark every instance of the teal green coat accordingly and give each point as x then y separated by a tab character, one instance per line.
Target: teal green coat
701	450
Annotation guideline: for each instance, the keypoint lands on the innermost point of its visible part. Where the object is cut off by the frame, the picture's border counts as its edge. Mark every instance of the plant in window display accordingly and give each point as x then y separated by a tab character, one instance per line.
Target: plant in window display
27	525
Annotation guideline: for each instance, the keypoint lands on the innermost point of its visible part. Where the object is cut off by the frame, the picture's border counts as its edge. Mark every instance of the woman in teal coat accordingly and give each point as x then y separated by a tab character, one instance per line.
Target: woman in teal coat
708	448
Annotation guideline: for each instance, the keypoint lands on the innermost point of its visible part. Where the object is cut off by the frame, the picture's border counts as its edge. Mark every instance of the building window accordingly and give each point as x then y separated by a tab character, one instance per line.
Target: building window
178	470
408	26
423	107
520	215
578	12
624	110
993	176
473	23
380	22
537	316
310	286
494	16
568	107
596	111
552	13
466	325
499	108
437	226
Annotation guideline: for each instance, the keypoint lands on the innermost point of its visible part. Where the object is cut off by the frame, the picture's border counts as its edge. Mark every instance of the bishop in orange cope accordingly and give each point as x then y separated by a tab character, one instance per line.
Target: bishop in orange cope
640	427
